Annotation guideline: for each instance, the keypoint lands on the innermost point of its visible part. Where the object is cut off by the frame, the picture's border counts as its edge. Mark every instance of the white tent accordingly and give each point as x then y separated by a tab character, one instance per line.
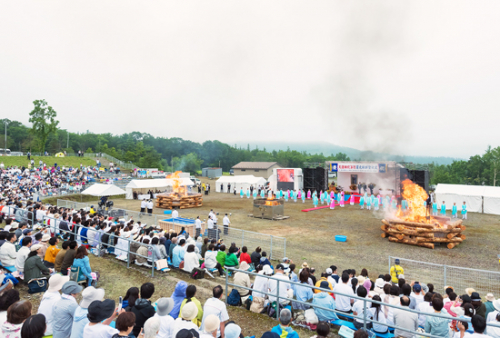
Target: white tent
479	198
99	189
142	186
239	182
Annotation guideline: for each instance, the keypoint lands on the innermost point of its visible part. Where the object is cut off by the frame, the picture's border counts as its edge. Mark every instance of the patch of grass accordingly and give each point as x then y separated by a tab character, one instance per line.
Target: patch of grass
73	161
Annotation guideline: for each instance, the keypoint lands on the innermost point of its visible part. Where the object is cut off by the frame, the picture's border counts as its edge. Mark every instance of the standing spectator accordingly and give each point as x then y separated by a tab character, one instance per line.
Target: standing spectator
198	227
435	325
396	271
34	327
69	257
100	315
89	295
22	254
144	204
8	251
16	315
214	306
405	319
284	325
50	297
142	308
64	310
149	205
226	223
163	308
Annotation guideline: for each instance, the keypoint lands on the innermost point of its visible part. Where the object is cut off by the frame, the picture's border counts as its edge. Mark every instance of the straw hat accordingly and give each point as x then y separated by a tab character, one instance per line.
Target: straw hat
489	297
35	247
89	295
361	280
469	291
56	282
212	323
305	265
45	238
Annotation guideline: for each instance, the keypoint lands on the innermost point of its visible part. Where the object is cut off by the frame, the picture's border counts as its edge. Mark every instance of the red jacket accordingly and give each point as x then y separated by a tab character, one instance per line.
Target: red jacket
244	257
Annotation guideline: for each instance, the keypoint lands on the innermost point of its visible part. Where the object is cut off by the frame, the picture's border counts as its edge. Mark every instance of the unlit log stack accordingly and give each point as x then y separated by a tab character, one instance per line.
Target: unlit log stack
169	201
423	234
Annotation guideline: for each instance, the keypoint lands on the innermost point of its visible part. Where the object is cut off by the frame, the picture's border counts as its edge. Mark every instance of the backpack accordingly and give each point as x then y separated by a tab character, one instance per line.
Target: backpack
198	273
234	298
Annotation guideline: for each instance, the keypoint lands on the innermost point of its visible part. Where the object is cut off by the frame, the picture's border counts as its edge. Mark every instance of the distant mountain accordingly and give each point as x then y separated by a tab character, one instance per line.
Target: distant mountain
354	154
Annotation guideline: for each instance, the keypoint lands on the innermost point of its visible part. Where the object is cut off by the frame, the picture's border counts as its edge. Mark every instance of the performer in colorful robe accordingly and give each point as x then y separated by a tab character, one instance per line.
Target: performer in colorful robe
286	197
262	193
288	193
332	194
394	203
454	211
281	193
464	211
295	195
254	193
241	193
376	204
270	194
351	199
342	199
315	201
309	194
322	198
299	194
303	197
379	197
320	193
248	193
443	209
362	202
328	199
434	209
332	204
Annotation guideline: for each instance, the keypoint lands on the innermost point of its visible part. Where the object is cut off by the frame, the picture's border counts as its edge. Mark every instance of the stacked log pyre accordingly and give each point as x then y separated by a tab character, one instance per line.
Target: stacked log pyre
180	201
439	230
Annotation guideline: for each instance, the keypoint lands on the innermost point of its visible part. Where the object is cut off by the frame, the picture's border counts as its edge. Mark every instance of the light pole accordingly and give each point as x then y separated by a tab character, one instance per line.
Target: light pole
67	143
6	123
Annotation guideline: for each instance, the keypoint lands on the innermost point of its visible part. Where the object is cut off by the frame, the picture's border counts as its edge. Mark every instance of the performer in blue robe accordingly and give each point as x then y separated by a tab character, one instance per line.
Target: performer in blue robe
362	202
464	211
394	204
254	193
454	211
286	197
376	204
315	201
322	198
281	193
262	193
434	209
294	196
248	193
241	193
443	209
303	197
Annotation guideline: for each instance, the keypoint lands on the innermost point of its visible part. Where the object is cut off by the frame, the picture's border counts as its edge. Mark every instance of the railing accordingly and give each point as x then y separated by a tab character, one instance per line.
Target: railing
366	302
63	191
116	162
275	246
441	275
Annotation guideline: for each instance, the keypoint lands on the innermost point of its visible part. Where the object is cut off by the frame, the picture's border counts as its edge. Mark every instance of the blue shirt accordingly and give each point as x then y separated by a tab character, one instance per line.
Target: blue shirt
302	293
177	255
438	326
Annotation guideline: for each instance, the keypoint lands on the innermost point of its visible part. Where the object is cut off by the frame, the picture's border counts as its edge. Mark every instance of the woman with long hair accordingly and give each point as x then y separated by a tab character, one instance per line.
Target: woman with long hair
303	293
377	313
190	297
34	327
130	297
82	261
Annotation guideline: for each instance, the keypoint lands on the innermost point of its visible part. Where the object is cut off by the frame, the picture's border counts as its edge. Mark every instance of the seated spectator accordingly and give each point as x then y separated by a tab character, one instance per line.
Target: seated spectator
51	253
33	266
163	307
178	297
494	331
260	285
212	324
151	328
265	261
125	324
324	278
376	312
16	315
488	304
323	299
214	306
142	254
405	319
243	279
100	315
360	334
44	242
452	301
244	256
69	257
417	294
293	275
344	302
204	247
7	298
34	327
185	319
178	253
285	289
359	308
478	305
82	261
323	329
80	319
142	308
130	297
435	325
232	330
211	260
60	256
284	325
159	249
50	297
172	247
190	297
8	251
22	254
191	259
424	307
479	325
255	256
64	310
231	258
221	255
303	292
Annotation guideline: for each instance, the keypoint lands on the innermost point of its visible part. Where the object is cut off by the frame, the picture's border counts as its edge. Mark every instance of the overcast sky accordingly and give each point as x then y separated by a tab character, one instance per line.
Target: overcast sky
407	77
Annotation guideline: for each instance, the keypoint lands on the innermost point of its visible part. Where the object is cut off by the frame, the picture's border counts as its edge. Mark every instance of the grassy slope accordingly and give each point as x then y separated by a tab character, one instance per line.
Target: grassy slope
49	160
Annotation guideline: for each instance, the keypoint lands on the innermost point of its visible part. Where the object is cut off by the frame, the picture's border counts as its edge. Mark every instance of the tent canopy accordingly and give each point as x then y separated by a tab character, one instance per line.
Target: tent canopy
239	182
103	190
142	186
479	198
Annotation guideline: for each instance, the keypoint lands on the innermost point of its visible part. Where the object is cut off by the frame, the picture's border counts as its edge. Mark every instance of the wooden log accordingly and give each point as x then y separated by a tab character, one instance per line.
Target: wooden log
425	245
385	222
412	224
384	235
384	227
463	237
451	245
440	230
408	233
455	224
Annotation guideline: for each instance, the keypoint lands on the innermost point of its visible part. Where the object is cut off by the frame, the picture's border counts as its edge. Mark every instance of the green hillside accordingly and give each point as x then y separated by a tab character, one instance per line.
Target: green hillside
73	161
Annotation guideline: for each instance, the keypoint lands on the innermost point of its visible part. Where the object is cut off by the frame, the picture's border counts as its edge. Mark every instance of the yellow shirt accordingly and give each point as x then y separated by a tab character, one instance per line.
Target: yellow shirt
396	270
51	253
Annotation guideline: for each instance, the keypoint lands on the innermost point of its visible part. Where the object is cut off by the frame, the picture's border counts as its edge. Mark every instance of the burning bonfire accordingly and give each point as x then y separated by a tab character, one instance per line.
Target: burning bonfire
179	197
415	226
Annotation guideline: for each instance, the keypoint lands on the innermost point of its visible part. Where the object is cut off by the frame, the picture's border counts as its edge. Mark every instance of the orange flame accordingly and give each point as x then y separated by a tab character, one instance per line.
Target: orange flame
176	187
415	195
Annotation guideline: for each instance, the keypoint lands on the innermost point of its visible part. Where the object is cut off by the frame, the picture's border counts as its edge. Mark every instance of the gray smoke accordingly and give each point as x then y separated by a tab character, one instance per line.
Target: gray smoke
369	36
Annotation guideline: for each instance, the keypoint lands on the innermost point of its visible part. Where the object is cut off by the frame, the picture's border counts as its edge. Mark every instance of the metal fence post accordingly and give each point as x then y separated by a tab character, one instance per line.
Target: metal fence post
128	255
389	264
242	238
271	255
444	275
284	247
227	281
152	262
277	300
364	314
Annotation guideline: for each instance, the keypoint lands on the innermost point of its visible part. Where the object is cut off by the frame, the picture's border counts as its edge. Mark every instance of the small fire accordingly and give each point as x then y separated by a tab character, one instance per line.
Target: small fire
270	200
415	195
